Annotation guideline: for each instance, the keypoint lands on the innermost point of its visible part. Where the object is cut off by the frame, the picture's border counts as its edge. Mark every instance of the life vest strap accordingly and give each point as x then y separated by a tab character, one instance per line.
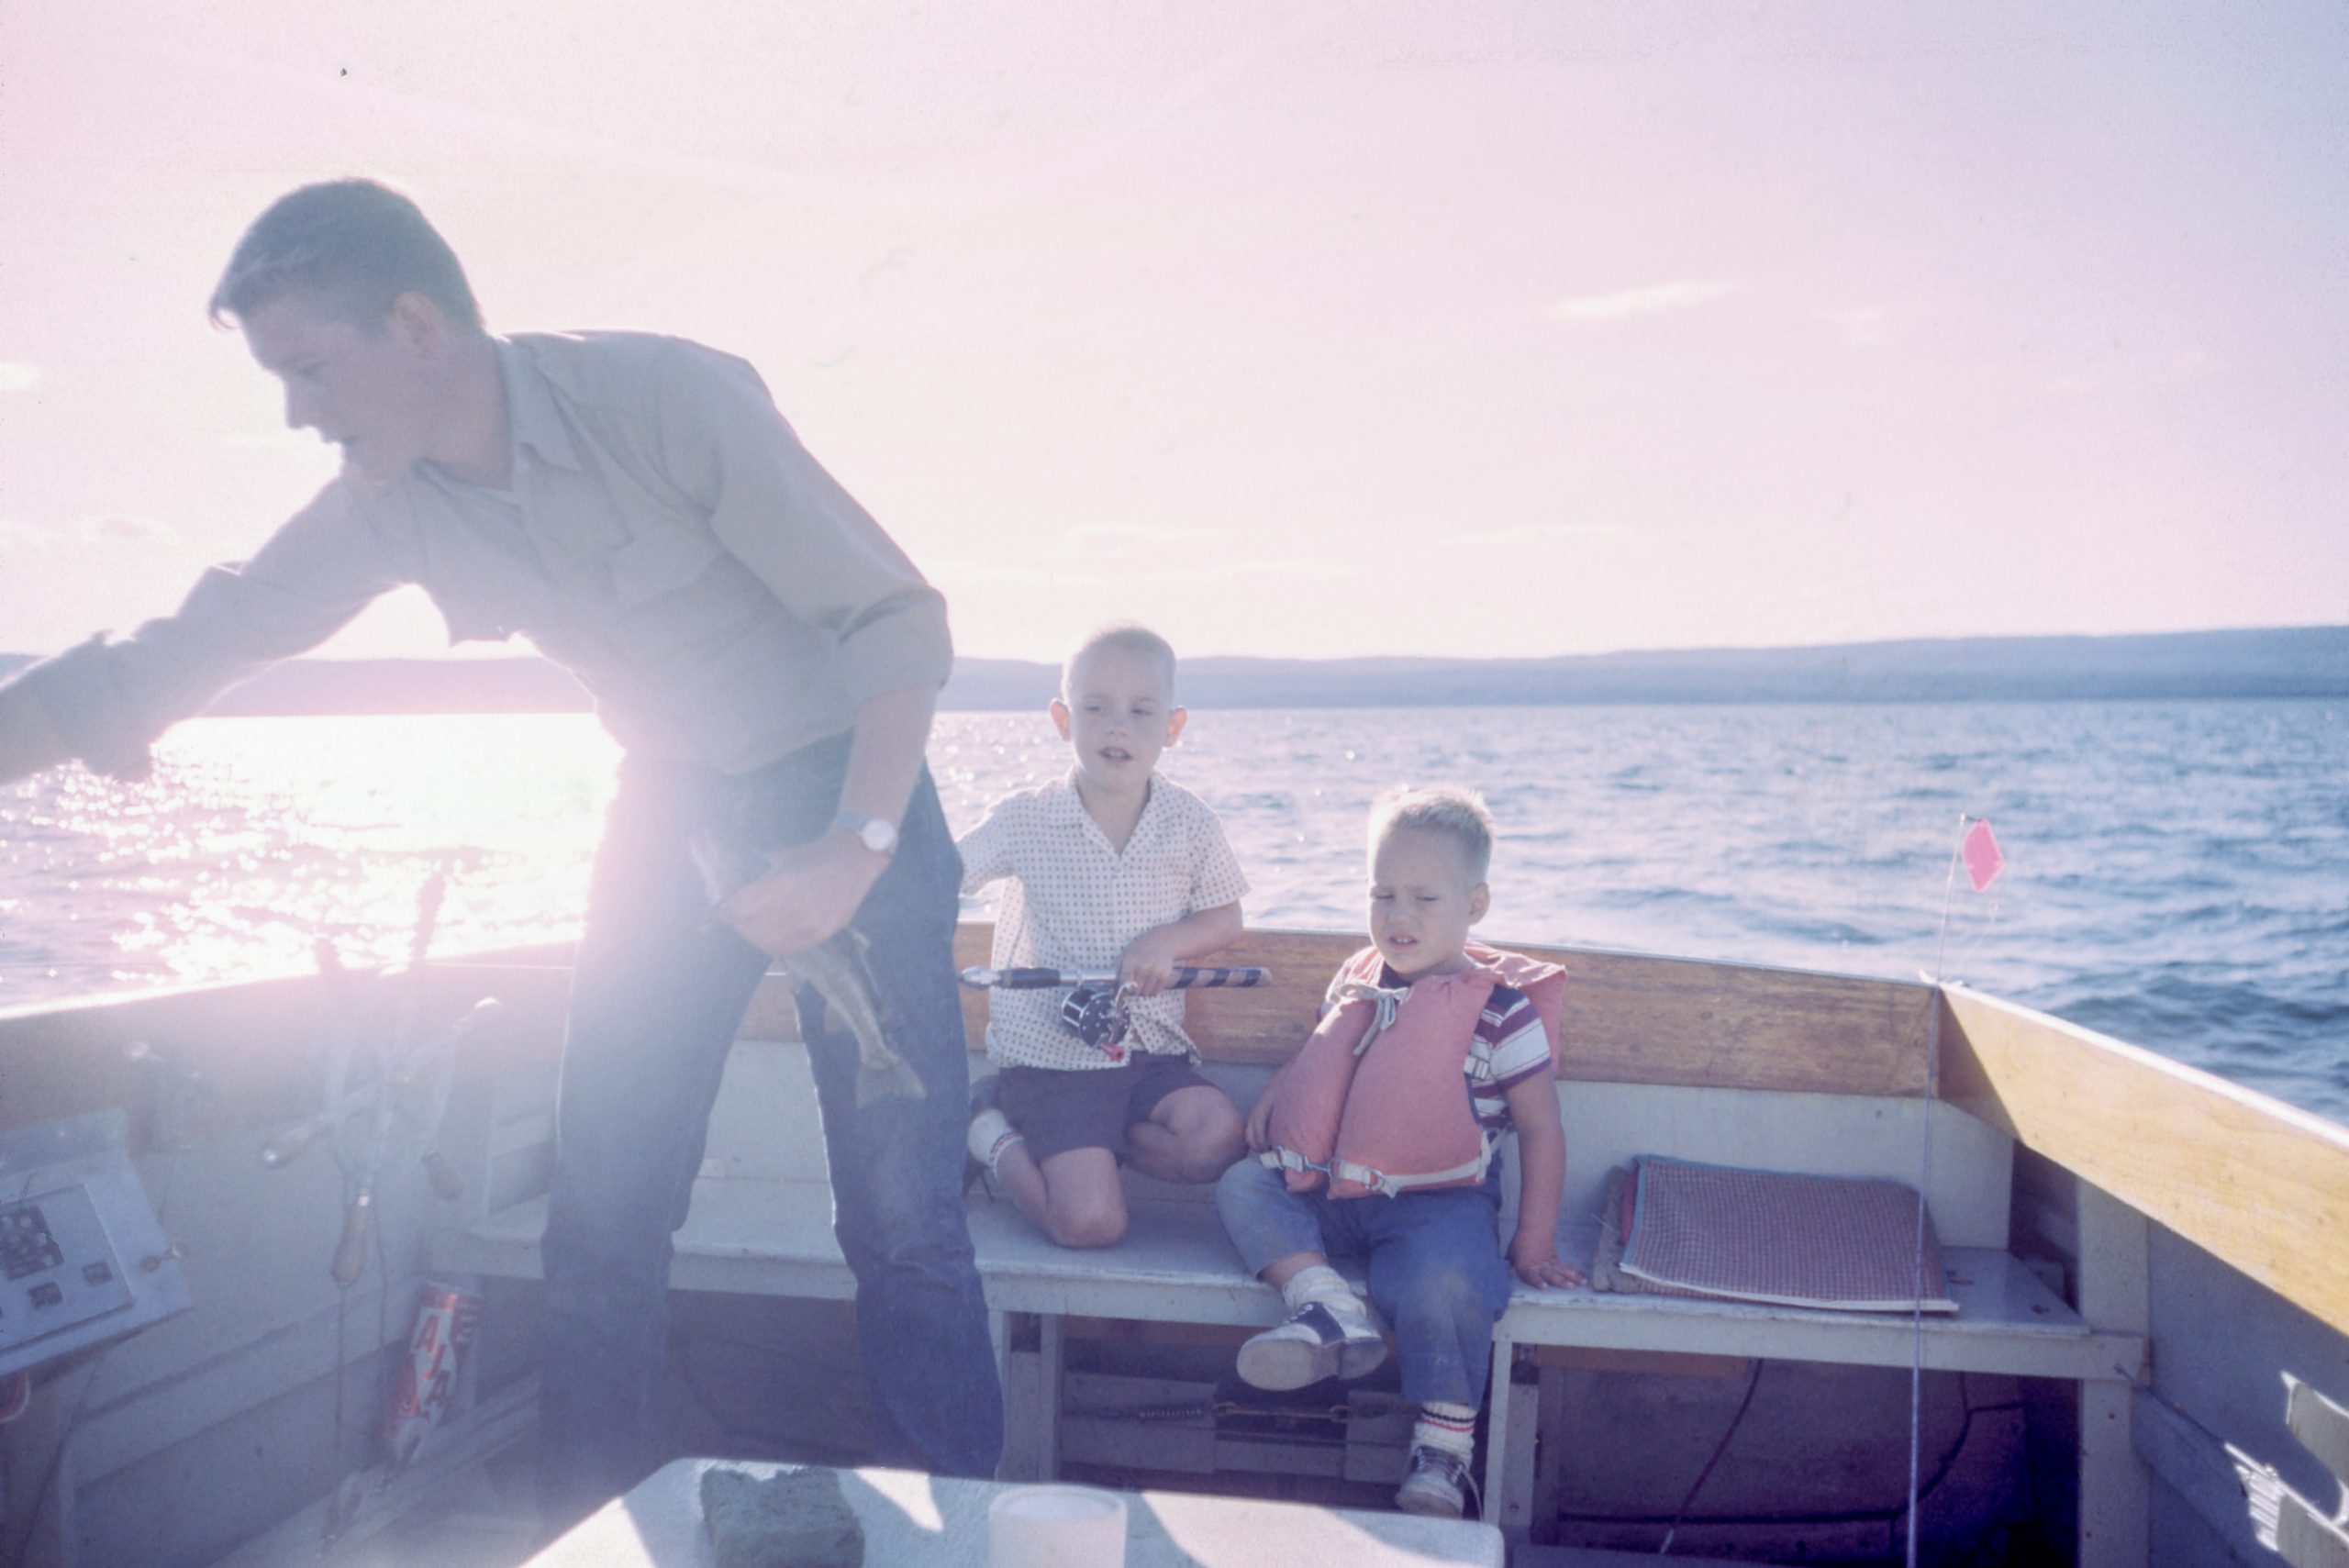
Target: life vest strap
1279	1158
1387	1002
1385	1185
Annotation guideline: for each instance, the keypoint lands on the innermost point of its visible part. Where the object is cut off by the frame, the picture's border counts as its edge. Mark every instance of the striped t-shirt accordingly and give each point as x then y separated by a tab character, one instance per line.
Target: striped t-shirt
1510	1044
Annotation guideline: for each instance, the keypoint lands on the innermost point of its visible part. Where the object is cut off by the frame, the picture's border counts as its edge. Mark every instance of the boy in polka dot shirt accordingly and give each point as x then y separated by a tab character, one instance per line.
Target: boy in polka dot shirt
1112	869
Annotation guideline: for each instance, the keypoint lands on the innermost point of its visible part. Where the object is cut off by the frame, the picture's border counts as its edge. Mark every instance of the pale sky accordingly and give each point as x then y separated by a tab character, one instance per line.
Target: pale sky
1303	329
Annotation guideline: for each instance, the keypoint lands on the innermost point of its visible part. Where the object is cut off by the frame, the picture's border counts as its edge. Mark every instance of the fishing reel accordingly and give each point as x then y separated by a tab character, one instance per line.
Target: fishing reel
1096	1013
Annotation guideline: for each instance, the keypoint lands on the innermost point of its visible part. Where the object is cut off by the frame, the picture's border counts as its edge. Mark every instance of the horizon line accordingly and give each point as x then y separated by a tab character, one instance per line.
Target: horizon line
529	656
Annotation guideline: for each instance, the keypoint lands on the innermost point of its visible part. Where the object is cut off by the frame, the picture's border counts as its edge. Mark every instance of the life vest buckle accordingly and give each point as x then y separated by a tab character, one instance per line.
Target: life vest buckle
1279	1158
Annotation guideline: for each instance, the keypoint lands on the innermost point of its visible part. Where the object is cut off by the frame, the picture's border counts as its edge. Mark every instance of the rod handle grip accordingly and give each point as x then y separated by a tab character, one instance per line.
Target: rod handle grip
446	1182
1187	976
1028	979
350	1252
289	1144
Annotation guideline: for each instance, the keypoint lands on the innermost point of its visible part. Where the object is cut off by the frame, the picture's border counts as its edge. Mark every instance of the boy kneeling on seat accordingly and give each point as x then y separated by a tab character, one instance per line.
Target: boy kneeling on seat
1375	1143
1116	867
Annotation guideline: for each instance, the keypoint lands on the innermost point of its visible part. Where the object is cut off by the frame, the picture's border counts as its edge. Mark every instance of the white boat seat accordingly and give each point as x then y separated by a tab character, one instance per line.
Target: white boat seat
761	1224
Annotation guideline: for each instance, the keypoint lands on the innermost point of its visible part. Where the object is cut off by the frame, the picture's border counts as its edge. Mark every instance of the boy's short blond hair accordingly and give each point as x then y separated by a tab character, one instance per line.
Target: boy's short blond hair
1458	814
1127	637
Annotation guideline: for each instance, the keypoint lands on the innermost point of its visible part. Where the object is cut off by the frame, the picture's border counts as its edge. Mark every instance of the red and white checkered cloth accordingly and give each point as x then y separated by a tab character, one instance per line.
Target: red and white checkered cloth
1832	1243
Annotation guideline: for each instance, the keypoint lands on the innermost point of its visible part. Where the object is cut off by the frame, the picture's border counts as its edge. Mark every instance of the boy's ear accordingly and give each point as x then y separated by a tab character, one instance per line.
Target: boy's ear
1480	898
1175	722
1059	710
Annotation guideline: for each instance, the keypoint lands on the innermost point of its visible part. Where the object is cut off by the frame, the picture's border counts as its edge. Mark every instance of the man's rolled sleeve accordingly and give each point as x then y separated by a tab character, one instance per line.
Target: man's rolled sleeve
109	699
774	506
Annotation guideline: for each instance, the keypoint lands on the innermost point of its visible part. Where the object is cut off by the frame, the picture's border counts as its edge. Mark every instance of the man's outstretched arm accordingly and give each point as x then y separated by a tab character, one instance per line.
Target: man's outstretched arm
106	700
29	742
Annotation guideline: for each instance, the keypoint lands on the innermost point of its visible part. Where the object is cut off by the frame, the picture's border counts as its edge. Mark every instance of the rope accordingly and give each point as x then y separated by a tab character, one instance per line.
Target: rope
1212	1410
1721	1448
1930	1037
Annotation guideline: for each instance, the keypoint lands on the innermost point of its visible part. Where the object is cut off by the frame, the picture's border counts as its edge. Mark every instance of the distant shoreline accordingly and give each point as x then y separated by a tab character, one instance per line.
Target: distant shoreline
2301	661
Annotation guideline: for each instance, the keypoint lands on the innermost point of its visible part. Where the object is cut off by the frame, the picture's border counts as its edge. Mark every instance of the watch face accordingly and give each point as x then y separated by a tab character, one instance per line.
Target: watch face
876	835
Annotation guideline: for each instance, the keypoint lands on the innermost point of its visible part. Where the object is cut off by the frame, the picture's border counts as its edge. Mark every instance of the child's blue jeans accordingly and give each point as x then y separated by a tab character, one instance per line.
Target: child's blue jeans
1436	1271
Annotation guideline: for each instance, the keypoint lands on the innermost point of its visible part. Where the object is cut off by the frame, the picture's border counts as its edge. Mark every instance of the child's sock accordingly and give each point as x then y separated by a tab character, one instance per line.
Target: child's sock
1452	1427
990	1135
1322	1283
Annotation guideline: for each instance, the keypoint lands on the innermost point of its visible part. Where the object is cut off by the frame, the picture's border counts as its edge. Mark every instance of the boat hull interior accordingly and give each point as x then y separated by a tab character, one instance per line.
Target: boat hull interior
2188	1231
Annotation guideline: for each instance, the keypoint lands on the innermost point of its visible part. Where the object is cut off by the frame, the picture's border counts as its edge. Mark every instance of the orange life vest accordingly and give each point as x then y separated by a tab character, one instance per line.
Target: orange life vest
1378	1100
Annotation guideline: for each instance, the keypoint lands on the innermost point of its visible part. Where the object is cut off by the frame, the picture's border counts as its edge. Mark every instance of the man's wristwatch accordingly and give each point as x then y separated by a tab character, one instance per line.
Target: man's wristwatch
879	837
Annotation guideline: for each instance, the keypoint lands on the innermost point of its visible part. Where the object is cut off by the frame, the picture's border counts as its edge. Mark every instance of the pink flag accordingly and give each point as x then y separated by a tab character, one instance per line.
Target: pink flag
1980	852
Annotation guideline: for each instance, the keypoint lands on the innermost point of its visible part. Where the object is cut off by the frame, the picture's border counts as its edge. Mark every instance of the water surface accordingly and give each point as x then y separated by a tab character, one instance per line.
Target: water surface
2178	872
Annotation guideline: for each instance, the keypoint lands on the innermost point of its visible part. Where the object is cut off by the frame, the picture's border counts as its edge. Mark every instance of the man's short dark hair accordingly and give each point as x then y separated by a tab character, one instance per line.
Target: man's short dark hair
355	246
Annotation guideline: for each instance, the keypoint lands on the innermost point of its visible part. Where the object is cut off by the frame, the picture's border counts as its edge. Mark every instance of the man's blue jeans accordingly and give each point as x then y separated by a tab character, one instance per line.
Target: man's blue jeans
1436	1271
657	995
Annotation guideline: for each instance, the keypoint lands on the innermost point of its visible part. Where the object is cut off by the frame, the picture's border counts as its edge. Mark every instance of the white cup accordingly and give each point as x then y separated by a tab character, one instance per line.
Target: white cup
1056	1527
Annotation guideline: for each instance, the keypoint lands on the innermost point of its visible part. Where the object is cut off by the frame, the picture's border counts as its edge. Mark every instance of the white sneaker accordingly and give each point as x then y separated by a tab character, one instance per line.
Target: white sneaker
1437	1484
1318	1341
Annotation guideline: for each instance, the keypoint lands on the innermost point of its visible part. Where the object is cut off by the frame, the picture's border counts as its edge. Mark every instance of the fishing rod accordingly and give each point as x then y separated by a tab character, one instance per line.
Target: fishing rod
1188	978
1095	1009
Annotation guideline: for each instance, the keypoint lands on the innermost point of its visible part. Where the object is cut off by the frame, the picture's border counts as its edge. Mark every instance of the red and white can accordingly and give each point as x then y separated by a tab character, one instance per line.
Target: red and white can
445	1322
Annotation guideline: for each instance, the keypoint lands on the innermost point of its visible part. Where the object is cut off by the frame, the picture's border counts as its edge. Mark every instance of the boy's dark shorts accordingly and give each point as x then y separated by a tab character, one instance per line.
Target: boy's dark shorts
1058	1109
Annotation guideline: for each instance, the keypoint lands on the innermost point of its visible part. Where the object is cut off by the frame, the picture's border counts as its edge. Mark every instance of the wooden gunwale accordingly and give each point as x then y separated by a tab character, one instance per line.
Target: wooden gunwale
2260	1185
1630	1017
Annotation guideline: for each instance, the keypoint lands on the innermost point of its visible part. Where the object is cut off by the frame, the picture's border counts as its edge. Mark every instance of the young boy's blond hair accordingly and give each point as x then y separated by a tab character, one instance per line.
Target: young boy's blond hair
1458	814
1127	637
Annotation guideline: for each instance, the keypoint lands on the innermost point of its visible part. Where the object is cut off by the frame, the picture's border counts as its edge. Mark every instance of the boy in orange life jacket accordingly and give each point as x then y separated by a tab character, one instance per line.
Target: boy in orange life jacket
1111	868
1376	1139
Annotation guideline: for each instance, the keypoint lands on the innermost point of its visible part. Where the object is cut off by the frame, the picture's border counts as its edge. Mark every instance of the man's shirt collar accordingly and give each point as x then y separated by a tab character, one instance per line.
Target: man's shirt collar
538	427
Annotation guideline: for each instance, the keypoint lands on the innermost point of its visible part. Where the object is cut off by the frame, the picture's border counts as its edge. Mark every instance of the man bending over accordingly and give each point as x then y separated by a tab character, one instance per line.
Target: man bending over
769	660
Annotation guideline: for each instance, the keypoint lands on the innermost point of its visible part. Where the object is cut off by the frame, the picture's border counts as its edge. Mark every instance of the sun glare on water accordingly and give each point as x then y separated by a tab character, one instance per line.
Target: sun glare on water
257	838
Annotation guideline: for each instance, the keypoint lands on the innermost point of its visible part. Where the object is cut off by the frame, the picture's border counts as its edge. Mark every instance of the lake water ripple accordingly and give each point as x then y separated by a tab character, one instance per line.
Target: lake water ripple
2177	872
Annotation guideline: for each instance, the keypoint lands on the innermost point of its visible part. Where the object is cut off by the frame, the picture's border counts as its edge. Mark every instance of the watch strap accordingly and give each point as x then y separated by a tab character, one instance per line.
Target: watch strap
878	836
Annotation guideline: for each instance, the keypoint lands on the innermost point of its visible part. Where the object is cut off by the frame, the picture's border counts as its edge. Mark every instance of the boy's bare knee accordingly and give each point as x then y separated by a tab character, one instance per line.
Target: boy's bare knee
1088	1228
1210	1135
1214	1151
1091	1213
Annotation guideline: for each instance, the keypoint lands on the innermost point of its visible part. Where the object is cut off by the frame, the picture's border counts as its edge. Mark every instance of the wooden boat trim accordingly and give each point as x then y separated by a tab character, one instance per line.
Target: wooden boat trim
2260	1185
1629	1018
2254	1183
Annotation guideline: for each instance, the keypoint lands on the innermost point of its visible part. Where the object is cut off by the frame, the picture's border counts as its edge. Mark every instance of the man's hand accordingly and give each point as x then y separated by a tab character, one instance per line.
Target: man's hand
811	892
1542	1267
1147	963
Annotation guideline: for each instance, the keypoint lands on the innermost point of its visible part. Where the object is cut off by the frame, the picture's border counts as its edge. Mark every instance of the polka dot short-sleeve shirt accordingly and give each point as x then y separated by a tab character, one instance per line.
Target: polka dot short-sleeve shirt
1073	903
